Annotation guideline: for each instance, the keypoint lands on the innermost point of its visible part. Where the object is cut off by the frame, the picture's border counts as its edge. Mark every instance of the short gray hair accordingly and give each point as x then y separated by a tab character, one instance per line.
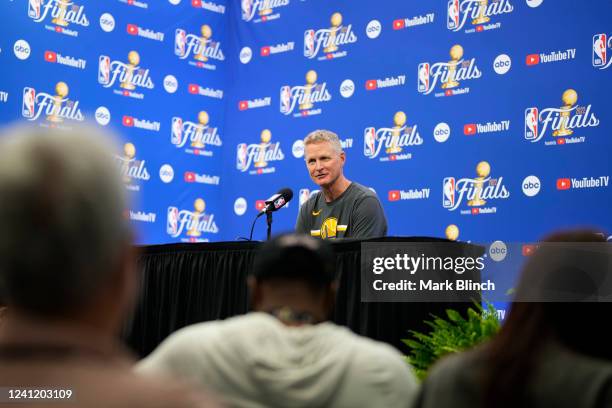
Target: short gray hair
323	135
62	215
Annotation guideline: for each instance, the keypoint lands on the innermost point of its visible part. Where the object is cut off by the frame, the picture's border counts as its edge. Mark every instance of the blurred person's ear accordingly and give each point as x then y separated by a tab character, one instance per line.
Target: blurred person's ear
123	286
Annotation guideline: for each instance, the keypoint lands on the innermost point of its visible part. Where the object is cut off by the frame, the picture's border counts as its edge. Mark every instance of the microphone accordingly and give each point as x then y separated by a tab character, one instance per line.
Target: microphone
274	203
277	201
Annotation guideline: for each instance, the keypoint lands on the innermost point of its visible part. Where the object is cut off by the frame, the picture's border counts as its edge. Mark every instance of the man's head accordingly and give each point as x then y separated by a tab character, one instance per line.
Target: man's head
294	271
64	239
324	157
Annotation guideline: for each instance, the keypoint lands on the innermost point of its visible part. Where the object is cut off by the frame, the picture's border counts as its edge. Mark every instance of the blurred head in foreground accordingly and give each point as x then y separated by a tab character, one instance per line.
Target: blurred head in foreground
294	272
64	242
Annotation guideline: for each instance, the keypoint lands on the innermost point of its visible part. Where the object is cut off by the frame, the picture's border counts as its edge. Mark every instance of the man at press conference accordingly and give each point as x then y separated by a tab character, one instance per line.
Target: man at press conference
342	209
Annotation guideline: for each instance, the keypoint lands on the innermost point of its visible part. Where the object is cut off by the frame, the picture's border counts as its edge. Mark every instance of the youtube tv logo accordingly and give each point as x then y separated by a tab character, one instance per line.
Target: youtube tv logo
260	205
190	176
564	184
132	29
196	3
194	89
394	195
243	105
399	24
50	56
265	51
532	59
371	85
469	129
528	249
128	121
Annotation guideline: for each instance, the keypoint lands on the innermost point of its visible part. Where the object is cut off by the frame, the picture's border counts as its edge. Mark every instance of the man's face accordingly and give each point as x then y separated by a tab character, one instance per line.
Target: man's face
324	163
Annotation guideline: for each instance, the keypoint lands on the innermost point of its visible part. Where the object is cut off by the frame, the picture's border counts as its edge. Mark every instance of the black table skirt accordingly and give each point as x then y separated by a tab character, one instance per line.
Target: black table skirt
188	283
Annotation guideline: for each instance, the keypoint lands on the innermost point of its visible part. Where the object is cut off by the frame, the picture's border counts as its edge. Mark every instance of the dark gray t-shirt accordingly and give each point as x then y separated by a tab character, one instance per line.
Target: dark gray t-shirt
357	213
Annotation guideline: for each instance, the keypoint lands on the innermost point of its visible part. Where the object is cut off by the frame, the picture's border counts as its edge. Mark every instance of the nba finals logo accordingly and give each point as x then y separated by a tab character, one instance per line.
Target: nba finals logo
259	11
130	76
62	13
197	134
478	12
448	74
201	47
393	139
476	190
259	155
192	223
329	39
130	168
55	108
562	121
304	96
602	45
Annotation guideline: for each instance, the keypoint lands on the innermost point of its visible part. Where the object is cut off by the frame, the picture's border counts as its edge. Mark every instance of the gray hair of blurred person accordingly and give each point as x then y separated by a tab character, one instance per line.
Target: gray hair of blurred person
322	135
62	215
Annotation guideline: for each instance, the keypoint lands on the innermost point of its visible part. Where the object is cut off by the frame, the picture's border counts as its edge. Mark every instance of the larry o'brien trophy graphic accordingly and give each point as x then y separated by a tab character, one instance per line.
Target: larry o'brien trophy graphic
311	79
569	98
206	32
199	206
456	53
399	121
266	136
483	169
129	151
200	128
482	9
336	22
452	232
61	90
133	61
61	5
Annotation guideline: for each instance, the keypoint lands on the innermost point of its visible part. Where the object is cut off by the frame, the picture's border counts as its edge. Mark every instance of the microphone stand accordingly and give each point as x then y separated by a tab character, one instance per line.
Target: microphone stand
269	221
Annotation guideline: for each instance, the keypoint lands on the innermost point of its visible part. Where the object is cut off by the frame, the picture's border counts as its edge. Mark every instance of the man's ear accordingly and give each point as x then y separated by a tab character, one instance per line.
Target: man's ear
343	157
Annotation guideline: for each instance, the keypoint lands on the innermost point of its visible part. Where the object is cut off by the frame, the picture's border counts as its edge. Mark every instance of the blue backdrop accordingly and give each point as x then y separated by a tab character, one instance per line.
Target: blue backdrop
489	116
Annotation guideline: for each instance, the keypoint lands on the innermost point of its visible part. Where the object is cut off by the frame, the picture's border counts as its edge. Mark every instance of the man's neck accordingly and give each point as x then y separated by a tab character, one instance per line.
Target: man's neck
336	189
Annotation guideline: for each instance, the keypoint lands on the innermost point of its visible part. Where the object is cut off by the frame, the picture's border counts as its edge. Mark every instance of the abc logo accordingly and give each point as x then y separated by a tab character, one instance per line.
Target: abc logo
174	2
531	186
441	132
347	88
534	3
502	64
240	206
103	115
373	29
498	251
166	173
298	149
107	22
170	83
22	49
245	55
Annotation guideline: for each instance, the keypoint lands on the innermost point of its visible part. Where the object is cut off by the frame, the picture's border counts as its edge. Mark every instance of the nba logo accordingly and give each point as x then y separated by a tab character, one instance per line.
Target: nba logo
600	52
369	141
29	98
246	9
104	70
285	99
241	157
180	39
34	8
448	192
531	123
304	195
423	81
309	39
177	131
452	21
172	224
